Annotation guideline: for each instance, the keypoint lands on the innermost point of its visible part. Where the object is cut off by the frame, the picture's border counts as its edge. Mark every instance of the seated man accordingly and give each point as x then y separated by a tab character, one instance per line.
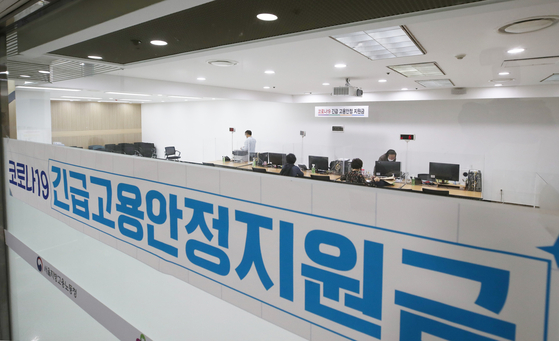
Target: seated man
289	168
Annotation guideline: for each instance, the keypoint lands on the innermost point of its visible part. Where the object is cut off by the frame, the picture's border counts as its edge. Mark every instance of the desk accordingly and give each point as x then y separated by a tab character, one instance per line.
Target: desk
453	191
307	173
231	164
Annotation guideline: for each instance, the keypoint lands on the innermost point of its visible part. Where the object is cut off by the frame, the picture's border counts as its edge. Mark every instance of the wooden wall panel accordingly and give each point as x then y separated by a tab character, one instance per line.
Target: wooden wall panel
91	123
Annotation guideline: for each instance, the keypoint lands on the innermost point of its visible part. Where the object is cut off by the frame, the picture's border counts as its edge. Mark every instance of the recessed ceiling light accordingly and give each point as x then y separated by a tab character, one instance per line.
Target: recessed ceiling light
382	80
504	73
41	88
29	83
135	100
266	87
45	72
25	76
159	95
516	50
418	70
222	62
325	83
201	78
269	72
94	57
436	83
158	42
267	17
75	97
126	94
553	78
340	66
528	25
498	84
82	64
389	42
404	89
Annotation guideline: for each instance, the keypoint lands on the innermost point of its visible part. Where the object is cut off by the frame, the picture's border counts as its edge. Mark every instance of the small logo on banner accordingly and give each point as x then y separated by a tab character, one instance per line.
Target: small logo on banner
39	264
142	338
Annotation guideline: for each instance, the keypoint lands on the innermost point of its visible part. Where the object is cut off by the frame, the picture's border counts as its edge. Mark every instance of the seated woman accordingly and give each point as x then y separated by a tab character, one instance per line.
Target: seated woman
355	176
289	168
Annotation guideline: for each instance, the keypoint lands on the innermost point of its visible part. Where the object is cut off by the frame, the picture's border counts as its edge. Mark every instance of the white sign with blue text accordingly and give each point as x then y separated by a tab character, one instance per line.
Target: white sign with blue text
358	281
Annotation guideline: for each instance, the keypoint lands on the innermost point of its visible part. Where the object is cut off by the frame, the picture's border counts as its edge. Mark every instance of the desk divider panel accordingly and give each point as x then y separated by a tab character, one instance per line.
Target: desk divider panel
354	262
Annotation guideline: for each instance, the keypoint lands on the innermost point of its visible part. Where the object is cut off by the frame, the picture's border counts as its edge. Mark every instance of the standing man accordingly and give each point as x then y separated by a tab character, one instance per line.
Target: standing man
250	144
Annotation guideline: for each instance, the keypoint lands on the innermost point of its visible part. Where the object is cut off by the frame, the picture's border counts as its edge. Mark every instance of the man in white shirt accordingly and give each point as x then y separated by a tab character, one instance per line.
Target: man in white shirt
250	144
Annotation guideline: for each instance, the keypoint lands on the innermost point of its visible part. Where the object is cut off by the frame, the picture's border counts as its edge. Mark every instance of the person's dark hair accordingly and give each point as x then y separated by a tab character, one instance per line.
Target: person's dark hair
390	152
356	164
248	132
290	158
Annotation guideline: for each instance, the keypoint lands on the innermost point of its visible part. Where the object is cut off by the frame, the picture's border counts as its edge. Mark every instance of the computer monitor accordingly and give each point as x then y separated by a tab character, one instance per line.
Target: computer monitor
444	171
320	162
387	168
262	157
276	158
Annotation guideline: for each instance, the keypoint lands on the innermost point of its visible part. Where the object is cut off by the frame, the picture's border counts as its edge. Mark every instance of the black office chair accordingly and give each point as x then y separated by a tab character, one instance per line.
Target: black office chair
320	177
435	192
208	164
259	170
129	149
96	147
110	147
171	154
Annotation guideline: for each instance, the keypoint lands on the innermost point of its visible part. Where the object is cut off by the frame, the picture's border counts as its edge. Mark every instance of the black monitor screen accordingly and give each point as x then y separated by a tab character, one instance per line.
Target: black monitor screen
387	168
276	158
320	162
262	157
444	171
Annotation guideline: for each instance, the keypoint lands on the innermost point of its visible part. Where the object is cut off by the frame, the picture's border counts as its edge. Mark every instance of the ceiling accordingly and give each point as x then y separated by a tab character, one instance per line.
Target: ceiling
303	62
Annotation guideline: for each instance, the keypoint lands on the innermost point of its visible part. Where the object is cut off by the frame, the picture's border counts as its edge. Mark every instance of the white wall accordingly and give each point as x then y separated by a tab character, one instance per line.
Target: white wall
513	141
33	116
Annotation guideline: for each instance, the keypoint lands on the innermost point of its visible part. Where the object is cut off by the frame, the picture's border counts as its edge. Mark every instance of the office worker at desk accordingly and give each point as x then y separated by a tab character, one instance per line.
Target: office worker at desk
390	155
355	176
289	168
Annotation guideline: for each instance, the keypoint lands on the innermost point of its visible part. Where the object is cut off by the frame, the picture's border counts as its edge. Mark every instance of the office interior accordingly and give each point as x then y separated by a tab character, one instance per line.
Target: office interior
497	111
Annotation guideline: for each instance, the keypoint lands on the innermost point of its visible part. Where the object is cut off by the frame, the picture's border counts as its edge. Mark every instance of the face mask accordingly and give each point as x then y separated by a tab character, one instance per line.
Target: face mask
391	159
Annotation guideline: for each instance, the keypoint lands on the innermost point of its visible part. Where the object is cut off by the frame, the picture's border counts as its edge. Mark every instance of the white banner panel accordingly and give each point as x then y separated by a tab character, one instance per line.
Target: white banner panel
357	281
342	111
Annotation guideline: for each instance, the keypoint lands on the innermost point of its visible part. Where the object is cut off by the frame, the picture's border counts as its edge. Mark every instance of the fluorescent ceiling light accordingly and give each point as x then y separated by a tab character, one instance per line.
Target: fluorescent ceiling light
75	97
504	73
41	88
516	50
418	70
94	57
269	72
404	89
266	87
267	17
553	78
498	84
389	42
382	80
29	83
325	83
25	76
187	97
136	100
201	78
340	66
126	94
44	72
158	42
436	83
61	99
159	95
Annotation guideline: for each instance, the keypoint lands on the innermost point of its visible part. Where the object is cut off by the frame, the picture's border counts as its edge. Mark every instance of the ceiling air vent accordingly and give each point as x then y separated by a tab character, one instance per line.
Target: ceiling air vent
531	61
